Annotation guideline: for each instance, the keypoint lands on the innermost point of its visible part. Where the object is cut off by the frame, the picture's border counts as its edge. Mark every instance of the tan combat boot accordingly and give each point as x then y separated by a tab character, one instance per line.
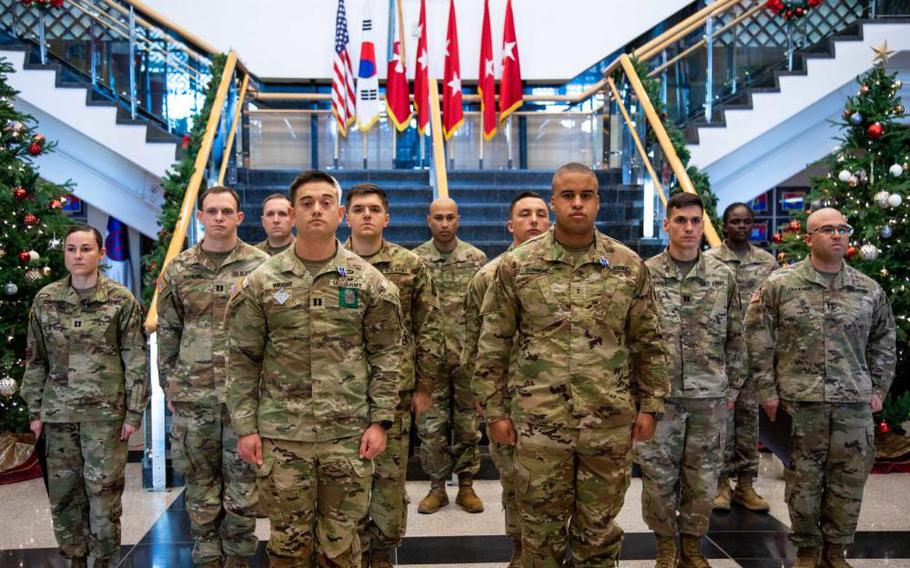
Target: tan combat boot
381	558
690	553
435	499
467	499
515	561
746	496
666	552
724	494
235	561
806	557
833	556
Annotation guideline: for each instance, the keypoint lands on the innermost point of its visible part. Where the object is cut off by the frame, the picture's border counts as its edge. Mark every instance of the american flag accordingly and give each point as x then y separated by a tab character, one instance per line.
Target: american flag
343	100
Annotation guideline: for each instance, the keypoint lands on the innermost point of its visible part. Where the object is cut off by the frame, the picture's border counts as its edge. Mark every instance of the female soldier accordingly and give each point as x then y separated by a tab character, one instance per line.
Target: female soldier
86	386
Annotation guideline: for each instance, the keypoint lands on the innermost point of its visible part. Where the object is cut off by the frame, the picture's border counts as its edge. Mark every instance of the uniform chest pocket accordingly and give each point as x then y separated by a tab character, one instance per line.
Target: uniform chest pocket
539	307
615	302
404	281
95	327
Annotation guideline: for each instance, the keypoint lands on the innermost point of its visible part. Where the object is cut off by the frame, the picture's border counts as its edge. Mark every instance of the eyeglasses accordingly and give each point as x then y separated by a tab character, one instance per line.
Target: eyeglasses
831	230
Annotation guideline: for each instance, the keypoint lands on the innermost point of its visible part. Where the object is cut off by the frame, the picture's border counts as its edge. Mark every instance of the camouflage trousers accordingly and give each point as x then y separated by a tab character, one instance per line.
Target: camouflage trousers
680	465
570	485
221	496
388	518
451	396
316	495
503	457
741	449
832	448
85	470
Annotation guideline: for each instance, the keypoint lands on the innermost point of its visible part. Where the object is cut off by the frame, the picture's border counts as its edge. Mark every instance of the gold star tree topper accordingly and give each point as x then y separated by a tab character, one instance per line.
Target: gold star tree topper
882	53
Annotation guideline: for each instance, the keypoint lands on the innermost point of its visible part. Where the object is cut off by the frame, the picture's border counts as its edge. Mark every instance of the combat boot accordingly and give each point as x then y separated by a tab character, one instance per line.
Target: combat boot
380	559
515	561
78	562
806	557
467	499
690	554
833	556
235	561
724	495
435	499
666	552
746	496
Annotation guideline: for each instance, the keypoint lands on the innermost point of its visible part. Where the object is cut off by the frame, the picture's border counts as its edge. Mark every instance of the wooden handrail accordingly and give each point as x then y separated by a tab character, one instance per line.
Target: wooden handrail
188	207
439	154
587	93
160	21
229	145
664	140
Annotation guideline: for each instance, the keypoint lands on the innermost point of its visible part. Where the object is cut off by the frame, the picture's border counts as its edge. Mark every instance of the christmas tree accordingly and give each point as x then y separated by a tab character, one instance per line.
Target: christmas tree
868	181
31	235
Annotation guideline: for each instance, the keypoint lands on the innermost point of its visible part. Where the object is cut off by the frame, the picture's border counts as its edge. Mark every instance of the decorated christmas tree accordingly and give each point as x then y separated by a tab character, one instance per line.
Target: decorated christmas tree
868	181
32	227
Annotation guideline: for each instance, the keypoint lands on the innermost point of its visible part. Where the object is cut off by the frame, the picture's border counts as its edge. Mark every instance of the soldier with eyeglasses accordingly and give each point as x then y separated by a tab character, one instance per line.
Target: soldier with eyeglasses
821	339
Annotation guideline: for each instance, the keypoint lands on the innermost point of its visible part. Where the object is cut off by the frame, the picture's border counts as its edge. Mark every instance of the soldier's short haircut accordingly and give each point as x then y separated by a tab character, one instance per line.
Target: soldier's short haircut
364	189
217	190
313	176
730	208
573	168
273	197
523	195
85	228
684	199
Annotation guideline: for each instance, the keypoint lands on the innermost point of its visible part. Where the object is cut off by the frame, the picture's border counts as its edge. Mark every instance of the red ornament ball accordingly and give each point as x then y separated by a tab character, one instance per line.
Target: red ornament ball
814	3
777	238
883	427
34	148
25	257
30	219
875	130
794	225
851	252
21	193
55	204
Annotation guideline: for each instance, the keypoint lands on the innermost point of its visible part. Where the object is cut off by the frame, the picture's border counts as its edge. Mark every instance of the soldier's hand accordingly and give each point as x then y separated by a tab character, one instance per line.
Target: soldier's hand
36	426
770	407
421	402
876	403
126	431
170	406
503	432
373	442
249	448
643	429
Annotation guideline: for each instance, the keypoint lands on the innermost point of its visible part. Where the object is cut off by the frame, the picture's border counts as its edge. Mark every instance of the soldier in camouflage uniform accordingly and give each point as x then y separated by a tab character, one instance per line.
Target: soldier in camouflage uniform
368	215
193	292
701	320
86	387
528	218
315	349
276	222
821	339
452	263
751	265
588	375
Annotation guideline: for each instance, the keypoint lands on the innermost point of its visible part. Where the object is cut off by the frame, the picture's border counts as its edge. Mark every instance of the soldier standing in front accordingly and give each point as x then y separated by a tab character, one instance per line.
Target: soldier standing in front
751	265
701	321
452	263
588	376
821	339
193	292
315	346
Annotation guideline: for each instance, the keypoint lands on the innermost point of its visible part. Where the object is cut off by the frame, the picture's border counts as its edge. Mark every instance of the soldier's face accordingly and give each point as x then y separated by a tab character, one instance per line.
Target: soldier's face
684	226
529	219
366	216
738	226
443	221
81	253
831	247
276	218
575	202
220	216
316	209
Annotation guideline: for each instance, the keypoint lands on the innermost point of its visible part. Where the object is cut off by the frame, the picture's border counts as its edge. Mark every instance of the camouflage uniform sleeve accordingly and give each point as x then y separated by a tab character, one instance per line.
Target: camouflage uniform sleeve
736	366
134	354
382	331
472	321
760	333
170	326
499	321
246	324
425	317
649	381
881	347
36	365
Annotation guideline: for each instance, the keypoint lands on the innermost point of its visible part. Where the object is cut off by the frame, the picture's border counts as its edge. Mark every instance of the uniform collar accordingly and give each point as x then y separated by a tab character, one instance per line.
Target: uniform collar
725	253
700	270
382	255
436	254
556	252
198	256
69	295
290	262
808	272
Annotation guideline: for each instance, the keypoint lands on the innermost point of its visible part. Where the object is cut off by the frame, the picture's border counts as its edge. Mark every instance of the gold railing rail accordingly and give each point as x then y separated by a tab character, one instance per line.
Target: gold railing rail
188	206
439	145
163	22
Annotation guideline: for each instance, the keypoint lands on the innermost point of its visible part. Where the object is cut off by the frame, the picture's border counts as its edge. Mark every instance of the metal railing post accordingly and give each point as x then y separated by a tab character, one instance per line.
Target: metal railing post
42	38
709	70
132	62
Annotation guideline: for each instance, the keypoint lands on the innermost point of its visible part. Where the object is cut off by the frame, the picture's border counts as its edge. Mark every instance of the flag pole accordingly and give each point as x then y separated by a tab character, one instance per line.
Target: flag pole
365	147
335	151
401	30
480	147
509	139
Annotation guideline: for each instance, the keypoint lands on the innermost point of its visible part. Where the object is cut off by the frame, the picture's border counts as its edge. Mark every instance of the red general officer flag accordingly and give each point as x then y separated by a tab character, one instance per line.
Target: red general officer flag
397	96
486	77
510	97
421	74
452	110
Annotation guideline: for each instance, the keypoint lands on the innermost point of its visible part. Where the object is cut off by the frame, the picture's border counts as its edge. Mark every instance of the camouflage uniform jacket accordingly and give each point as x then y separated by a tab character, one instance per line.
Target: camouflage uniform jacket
86	361
750	270
701	319
814	343
451	275
192	340
588	338
477	289
313	358
422	336
264	247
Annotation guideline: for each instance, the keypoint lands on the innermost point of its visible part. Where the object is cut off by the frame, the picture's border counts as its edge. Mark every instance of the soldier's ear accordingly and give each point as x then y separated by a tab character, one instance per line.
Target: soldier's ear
240	217
102	252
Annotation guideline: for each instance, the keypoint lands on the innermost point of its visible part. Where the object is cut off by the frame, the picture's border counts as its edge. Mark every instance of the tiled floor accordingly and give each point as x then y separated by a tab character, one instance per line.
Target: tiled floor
156	529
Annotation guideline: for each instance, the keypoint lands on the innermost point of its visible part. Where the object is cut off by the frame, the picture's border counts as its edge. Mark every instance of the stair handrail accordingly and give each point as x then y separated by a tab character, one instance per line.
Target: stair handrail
161	21
439	144
188	205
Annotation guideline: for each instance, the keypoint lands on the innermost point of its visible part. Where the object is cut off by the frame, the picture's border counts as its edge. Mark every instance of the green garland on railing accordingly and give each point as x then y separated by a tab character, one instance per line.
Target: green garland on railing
175	183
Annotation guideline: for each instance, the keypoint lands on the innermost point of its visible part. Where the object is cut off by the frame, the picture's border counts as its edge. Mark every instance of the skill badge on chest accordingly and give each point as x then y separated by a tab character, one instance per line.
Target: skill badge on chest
281	296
